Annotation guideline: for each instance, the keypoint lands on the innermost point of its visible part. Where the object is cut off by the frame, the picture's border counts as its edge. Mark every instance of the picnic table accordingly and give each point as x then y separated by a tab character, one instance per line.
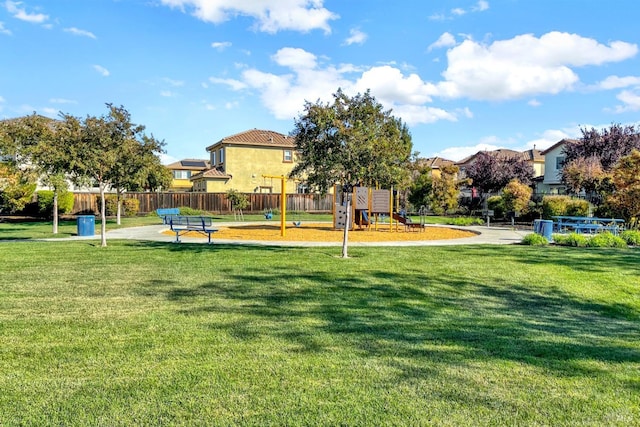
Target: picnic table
587	224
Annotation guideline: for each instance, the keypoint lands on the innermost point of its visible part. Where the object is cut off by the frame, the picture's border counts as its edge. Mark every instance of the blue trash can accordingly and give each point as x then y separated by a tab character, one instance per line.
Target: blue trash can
86	225
546	229
536	226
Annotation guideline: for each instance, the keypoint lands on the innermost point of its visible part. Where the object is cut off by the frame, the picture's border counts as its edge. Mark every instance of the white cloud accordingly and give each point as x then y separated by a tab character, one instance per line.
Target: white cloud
389	85
232	83
630	100
550	137
4	30
166	93
356	37
481	6
615	82
174	83
79	32
459	153
103	71
534	103
445	40
62	101
295	58
2	99
220	45
50	112
458	11
524	65
21	13
271	15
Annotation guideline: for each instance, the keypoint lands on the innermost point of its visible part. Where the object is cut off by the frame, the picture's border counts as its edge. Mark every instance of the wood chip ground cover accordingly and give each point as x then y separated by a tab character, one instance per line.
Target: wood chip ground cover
324	232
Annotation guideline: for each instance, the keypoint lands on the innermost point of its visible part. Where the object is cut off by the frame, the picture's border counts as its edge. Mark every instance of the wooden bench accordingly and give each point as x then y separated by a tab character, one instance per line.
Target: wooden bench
167	213
184	224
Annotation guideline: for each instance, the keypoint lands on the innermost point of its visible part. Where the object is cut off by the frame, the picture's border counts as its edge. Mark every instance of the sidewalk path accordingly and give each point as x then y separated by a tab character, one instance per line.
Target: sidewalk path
487	235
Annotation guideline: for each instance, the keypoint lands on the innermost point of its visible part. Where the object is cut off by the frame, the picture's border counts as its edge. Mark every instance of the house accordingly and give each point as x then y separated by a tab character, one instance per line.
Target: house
554	160
435	164
183	170
247	162
532	156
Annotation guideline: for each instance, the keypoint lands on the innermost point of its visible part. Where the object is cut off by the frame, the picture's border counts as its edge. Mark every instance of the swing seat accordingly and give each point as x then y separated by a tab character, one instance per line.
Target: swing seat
297	223
268	215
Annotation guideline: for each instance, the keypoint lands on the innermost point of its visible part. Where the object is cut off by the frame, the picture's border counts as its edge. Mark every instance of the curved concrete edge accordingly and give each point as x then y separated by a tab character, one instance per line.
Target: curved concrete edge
485	236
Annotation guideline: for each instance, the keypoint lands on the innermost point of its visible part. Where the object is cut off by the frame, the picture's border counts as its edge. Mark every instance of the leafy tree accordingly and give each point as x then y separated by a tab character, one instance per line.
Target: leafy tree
608	145
37	143
351	141
103	150
239	202
590	160
16	187
490	173
626	177
516	196
445	190
421	188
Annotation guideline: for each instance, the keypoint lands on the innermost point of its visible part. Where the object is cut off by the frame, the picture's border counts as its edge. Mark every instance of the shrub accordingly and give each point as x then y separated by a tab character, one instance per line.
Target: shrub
45	202
577	207
632	237
571	239
129	207
563	205
534	239
496	204
184	210
465	221
606	240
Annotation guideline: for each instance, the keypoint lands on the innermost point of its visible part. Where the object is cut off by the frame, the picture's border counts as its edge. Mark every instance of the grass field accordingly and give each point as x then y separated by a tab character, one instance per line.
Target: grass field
164	334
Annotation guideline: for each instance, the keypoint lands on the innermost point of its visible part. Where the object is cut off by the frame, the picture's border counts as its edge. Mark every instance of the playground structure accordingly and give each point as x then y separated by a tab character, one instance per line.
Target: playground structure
369	207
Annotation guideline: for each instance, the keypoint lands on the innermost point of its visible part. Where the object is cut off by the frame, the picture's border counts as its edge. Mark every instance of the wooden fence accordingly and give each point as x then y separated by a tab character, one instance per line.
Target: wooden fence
216	203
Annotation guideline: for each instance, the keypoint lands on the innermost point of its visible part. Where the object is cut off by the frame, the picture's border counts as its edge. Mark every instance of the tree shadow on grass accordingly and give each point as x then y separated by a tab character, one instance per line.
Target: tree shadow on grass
415	316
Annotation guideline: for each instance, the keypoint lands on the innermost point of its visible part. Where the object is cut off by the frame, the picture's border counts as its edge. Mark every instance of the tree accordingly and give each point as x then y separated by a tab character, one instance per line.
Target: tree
516	196
16	187
445	190
239	202
351	141
421	189
490	173
103	150
608	145
590	160
626	178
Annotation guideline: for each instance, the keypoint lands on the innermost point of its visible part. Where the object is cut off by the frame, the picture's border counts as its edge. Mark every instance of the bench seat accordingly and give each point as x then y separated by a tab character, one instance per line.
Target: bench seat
185	224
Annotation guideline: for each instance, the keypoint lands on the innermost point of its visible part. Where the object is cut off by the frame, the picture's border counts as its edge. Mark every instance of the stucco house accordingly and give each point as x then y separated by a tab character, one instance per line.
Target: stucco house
435	164
532	156
554	160
183	170
241	161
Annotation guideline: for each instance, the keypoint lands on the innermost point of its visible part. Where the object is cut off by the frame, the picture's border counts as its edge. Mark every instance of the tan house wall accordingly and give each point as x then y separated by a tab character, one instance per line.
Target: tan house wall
247	165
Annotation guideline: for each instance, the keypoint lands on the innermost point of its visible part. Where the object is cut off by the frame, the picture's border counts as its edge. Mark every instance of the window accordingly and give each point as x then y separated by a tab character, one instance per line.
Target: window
559	162
222	155
303	188
212	158
287	156
181	174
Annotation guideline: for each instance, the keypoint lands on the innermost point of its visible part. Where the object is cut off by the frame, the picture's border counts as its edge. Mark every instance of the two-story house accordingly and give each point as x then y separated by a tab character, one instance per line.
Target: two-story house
554	161
247	161
183	170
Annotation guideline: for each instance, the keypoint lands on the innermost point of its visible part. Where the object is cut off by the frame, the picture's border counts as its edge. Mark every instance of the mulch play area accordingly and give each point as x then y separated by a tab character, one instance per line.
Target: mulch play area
324	232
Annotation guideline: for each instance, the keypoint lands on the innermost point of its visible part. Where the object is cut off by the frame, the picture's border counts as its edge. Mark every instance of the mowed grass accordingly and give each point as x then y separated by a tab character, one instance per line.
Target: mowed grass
165	334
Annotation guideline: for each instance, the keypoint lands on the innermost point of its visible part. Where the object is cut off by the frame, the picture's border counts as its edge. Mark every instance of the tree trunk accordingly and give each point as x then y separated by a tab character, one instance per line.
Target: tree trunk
55	211
103	217
345	236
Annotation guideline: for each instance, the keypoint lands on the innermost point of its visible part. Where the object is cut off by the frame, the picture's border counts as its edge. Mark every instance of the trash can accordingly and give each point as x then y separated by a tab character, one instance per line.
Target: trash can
546	229
86	225
536	226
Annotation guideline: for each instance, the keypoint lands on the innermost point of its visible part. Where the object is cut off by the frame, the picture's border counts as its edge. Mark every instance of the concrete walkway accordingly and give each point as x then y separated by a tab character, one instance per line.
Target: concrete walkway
486	235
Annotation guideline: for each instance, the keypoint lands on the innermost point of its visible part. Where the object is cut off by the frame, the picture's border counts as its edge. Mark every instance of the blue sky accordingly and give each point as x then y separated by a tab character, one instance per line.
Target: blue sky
464	75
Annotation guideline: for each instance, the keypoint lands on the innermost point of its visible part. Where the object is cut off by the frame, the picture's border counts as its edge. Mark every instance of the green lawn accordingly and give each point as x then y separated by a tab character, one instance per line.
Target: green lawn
165	334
